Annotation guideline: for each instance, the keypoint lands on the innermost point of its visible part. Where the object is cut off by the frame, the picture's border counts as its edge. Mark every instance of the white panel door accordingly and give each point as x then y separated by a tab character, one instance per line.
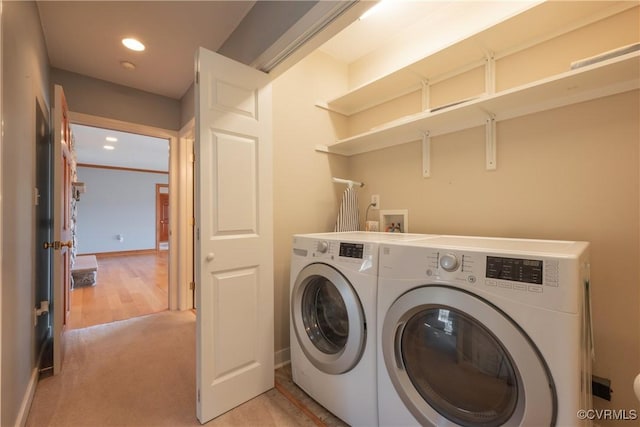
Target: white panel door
234	246
62	239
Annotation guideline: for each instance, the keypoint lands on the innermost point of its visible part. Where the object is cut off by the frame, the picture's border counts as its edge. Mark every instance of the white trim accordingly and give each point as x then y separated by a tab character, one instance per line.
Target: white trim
313	22
282	357
289	42
185	215
25	407
174	172
91	120
1	207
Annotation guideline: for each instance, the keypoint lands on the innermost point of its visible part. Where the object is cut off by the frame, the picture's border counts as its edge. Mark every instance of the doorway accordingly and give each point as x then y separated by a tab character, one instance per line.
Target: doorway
43	212
162	217
122	173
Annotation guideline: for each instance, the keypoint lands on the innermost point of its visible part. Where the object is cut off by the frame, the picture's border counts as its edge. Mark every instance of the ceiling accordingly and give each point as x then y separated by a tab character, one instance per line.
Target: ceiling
90	142
84	37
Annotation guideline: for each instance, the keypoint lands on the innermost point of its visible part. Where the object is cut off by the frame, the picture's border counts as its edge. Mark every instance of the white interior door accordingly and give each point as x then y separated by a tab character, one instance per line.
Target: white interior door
62	242
234	247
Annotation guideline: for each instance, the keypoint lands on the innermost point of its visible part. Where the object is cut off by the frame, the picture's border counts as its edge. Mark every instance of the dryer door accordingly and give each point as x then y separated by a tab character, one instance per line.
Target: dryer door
457	360
328	319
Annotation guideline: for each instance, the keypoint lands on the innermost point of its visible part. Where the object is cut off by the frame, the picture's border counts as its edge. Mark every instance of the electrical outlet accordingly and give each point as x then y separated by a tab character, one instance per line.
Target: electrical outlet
375	201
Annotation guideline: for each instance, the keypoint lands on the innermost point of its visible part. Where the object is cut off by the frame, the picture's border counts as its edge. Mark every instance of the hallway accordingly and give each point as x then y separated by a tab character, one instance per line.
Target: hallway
127	286
141	372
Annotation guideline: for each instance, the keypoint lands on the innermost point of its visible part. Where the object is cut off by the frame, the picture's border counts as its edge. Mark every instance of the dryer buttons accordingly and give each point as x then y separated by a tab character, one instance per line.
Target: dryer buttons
449	262
323	246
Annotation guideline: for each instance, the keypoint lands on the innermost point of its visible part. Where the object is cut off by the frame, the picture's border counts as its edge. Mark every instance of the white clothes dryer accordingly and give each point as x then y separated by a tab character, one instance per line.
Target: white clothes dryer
483	331
334	284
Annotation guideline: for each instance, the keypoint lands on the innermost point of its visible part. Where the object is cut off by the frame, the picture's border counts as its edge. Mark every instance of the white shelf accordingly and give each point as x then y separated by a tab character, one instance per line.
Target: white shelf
551	18
616	75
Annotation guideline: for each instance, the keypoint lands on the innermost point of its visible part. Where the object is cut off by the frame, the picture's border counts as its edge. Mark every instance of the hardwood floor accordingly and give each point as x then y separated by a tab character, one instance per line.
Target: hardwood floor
127	286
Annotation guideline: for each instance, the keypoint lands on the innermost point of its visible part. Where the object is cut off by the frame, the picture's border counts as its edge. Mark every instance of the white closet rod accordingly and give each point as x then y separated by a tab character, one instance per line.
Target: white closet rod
348	182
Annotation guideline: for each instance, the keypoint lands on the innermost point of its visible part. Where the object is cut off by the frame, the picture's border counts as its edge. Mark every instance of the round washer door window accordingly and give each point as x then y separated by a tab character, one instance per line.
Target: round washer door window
456	360
328	319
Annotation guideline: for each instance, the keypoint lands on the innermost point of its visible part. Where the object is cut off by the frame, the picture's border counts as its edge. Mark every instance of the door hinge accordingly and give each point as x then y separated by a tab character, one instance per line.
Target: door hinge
192	286
197	77
198	233
198	395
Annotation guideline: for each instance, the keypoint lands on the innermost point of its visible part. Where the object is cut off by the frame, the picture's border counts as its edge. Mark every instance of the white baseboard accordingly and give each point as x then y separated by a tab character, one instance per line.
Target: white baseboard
282	357
21	420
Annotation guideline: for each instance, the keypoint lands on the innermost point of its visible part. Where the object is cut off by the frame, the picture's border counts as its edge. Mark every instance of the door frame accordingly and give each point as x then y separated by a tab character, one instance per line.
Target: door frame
1	205
177	300
159	210
186	214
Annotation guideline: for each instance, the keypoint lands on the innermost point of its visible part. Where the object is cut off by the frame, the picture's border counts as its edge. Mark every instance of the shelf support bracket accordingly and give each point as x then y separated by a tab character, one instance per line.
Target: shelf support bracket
490	73
490	142
426	95
426	155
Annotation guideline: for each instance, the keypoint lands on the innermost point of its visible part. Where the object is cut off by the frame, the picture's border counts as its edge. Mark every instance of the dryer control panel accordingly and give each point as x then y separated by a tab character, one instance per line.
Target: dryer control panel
360	256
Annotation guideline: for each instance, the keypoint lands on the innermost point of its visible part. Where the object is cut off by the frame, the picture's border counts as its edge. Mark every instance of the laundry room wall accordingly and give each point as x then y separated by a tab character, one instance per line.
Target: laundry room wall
305	199
569	173
25	79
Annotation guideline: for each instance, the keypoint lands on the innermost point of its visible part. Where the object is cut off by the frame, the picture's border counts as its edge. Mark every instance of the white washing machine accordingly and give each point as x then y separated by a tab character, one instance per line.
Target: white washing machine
334	282
484	332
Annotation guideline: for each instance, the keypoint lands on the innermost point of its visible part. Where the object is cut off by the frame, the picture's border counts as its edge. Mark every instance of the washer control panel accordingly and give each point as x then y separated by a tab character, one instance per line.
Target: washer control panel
521	274
449	262
533	273
452	266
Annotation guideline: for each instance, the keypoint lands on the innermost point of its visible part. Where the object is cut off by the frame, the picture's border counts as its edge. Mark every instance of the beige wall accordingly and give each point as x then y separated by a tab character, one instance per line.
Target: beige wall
305	199
25	78
570	173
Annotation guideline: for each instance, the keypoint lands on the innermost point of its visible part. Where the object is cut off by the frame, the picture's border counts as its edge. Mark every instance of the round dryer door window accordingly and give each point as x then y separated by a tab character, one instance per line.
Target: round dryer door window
328	319
457	360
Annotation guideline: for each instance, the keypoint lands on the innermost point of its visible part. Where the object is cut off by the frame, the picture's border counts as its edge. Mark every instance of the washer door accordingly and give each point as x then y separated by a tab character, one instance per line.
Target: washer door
328	319
457	360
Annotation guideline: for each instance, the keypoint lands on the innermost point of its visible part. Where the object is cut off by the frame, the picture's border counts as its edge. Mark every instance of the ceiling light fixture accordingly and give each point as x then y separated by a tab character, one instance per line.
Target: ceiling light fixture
111	138
108	147
133	44
128	65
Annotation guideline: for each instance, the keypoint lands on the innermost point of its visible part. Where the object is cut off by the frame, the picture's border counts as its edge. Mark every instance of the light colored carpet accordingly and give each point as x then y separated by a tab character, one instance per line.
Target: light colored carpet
141	372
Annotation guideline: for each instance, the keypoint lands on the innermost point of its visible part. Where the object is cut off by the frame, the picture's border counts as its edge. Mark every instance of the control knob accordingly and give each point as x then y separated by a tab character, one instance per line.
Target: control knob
323	247
449	262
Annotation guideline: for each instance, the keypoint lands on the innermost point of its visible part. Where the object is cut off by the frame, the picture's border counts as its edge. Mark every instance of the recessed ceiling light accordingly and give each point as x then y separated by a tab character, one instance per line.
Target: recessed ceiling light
128	65
133	44
111	138
108	147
